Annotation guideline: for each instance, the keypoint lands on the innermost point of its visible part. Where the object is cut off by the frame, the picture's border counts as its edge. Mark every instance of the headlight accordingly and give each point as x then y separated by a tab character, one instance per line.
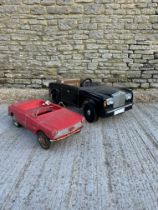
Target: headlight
109	101
77	125
66	131
128	96
62	133
83	120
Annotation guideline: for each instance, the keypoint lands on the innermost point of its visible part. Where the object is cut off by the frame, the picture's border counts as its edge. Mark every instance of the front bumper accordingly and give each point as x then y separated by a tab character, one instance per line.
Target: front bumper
106	113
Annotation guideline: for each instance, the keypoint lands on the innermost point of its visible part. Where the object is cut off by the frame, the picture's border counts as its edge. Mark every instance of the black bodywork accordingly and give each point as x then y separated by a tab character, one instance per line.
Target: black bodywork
93	94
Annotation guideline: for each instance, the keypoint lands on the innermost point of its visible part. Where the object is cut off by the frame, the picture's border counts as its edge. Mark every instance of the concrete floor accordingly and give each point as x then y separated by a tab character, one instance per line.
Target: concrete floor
112	164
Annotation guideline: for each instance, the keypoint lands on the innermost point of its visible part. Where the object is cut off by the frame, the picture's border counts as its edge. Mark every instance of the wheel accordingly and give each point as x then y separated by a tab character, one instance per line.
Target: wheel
56	98
86	82
15	122
90	113
43	140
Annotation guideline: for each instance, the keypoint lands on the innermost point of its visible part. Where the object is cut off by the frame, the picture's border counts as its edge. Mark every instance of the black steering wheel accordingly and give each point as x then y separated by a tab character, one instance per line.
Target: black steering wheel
85	82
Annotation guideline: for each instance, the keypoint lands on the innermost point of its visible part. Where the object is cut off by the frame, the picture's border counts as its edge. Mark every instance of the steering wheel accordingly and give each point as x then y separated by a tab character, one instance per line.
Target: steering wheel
85	82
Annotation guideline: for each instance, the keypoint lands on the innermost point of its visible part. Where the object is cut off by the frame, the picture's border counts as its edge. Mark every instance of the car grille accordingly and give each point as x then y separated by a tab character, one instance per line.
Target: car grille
119	99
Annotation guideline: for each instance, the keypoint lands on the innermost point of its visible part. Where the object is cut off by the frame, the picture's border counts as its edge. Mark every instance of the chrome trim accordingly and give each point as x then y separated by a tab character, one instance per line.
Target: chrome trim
66	135
119	99
108	112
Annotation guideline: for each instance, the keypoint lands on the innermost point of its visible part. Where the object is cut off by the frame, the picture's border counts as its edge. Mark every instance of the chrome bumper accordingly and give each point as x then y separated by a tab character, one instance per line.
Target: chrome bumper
113	110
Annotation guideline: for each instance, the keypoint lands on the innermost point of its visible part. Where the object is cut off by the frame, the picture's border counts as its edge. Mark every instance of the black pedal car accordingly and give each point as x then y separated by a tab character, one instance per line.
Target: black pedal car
95	99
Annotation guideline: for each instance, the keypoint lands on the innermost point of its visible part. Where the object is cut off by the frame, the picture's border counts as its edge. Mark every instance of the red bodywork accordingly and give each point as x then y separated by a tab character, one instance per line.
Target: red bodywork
55	121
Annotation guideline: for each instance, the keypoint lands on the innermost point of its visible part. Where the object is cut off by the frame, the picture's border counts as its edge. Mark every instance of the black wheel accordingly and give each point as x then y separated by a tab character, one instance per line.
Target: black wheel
56	98
43	140
15	122
90	113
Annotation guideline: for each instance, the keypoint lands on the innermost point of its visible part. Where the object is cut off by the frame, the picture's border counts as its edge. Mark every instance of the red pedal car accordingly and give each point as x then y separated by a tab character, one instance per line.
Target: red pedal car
49	121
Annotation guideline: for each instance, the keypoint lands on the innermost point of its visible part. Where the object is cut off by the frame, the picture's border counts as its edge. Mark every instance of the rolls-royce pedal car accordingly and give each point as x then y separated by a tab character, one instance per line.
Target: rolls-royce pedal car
96	100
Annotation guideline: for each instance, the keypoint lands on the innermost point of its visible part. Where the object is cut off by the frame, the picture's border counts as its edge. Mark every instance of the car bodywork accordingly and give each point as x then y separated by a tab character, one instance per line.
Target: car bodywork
54	121
99	95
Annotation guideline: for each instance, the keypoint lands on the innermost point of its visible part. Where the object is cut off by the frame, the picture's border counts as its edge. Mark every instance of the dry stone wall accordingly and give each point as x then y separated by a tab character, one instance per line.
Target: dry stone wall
113	41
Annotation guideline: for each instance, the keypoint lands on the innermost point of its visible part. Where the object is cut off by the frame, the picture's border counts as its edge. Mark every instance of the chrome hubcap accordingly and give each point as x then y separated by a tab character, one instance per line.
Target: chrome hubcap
88	112
42	140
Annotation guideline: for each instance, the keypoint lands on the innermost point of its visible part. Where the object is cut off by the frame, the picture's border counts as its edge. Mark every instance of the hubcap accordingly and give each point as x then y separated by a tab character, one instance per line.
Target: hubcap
15	123
88	112
42	140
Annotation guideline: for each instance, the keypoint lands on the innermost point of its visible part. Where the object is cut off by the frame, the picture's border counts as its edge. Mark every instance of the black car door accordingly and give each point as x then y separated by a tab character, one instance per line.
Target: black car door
69	94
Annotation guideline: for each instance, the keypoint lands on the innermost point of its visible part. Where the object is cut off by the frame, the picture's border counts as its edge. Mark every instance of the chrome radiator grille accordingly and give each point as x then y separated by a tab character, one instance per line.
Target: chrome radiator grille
119	99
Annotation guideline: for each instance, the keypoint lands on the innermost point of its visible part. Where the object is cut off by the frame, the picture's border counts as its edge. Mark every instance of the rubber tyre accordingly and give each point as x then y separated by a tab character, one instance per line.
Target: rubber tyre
90	113
15	122
56	98
43	140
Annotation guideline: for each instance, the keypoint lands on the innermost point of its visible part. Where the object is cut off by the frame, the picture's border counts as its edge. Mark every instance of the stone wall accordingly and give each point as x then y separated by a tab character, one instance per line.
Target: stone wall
113	41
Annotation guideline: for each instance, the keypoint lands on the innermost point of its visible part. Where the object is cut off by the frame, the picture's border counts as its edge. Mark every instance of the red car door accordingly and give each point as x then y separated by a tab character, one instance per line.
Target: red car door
20	117
31	122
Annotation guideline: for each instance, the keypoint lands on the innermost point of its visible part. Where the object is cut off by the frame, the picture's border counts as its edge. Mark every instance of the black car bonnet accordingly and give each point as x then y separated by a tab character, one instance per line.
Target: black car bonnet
102	91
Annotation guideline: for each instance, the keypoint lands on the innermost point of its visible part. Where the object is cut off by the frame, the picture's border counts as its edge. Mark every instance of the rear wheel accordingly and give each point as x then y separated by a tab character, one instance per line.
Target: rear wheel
90	113
56	98
43	140
15	122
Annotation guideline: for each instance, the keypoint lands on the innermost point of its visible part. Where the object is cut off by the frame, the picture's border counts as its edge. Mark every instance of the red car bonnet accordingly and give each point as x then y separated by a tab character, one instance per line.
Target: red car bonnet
59	119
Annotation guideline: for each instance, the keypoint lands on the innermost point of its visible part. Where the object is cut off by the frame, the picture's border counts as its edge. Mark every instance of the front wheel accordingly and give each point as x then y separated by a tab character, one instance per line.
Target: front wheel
43	140
90	113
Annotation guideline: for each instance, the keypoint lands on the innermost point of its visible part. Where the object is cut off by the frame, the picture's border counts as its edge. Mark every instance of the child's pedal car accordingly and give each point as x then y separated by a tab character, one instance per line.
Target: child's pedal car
96	100
49	121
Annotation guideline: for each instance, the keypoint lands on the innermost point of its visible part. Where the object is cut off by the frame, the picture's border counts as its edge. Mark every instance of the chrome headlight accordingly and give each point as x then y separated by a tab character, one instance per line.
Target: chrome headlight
77	125
128	96
62	133
109	101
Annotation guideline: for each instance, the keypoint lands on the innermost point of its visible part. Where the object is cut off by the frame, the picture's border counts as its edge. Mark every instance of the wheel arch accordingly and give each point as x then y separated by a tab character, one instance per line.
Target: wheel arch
88	100
11	114
39	131
92	107
57	93
53	90
94	101
46	133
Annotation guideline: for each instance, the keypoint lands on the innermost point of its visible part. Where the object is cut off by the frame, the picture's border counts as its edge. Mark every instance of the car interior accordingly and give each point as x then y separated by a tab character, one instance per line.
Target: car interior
72	82
78	82
38	108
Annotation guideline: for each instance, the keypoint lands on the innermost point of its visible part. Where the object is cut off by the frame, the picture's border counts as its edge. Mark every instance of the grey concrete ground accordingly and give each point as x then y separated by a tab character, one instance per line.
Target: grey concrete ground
111	164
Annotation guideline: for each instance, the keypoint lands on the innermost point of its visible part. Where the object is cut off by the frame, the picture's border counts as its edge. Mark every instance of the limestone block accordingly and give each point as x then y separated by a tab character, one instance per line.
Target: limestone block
48	2
67	24
96	34
31	2
38	10
95	9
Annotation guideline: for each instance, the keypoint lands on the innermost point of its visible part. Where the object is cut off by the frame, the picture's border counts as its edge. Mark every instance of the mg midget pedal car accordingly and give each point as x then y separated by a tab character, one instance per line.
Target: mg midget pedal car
97	100
49	121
